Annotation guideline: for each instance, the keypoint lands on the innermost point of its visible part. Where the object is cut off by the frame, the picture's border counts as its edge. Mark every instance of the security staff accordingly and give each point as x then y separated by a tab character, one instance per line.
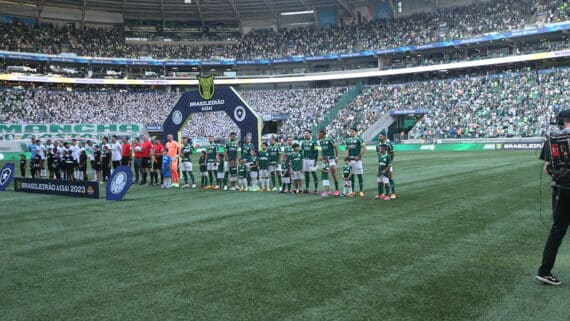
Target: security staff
560	212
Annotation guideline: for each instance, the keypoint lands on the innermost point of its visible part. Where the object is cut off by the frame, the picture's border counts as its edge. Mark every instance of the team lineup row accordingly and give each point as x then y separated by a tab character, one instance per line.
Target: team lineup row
275	167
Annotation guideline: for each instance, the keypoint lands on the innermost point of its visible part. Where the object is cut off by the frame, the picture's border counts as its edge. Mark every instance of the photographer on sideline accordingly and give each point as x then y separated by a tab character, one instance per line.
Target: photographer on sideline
560	208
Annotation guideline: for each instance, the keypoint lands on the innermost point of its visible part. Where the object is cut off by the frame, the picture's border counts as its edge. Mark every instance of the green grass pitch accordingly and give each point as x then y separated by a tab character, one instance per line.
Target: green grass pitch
462	242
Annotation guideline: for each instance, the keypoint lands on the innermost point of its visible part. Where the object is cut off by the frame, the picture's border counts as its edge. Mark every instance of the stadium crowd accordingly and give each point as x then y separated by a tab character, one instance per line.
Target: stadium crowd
305	108
445	24
497	105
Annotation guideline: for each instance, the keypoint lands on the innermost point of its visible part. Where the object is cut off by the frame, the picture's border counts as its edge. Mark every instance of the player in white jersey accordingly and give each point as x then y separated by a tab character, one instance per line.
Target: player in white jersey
75	153
116	151
42	152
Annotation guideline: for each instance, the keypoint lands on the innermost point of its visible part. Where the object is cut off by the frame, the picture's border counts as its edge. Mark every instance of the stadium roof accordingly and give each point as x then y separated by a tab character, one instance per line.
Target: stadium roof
205	12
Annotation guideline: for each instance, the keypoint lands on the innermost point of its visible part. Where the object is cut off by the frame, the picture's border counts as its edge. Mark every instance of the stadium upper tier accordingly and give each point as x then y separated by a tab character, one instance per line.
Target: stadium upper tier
496	105
443	25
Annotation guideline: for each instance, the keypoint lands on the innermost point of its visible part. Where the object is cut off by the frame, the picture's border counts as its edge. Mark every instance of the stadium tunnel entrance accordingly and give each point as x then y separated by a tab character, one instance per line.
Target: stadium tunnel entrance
224	99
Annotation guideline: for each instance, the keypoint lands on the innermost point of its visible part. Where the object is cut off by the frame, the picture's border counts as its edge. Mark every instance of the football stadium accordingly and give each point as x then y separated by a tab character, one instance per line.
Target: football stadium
284	160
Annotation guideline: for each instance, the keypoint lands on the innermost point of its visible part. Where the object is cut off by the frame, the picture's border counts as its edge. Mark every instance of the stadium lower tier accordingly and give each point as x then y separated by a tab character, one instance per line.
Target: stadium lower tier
521	103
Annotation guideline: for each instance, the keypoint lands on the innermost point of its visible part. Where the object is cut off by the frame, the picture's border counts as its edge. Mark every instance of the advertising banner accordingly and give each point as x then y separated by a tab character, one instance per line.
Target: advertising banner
90	131
26	131
468	147
84	189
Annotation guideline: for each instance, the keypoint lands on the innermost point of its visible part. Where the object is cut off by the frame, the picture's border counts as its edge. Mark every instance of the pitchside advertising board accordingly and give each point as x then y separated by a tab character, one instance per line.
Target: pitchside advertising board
64	131
55	187
469	147
116	188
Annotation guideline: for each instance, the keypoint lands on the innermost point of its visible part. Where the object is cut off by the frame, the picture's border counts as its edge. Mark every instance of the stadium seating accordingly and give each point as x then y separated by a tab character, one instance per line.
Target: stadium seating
305	107
498	105
507	104
445	24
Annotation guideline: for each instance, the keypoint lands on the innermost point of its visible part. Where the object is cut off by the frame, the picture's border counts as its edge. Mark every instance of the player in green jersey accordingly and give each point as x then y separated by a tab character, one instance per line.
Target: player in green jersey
330	151
187	151
246	148
231	152
383	170
355	149
296	169
390	149
274	156
263	163
310	155
211	153
231	148
347	175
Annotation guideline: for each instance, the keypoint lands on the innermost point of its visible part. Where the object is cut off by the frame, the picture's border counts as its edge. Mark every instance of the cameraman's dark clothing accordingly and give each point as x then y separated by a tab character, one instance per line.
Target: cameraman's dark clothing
561	217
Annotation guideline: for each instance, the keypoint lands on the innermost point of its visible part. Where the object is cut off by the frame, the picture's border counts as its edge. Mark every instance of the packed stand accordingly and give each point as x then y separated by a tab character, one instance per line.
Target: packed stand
304	107
501	105
446	24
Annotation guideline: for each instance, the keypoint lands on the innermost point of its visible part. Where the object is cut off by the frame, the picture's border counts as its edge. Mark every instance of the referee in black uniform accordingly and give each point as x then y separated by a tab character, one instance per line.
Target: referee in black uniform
560	213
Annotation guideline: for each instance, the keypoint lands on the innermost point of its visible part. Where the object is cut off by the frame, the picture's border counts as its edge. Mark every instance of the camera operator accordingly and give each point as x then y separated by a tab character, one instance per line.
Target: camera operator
560	206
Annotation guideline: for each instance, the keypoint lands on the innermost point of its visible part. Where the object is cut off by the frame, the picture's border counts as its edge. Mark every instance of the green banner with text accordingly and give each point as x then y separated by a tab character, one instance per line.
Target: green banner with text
87	131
